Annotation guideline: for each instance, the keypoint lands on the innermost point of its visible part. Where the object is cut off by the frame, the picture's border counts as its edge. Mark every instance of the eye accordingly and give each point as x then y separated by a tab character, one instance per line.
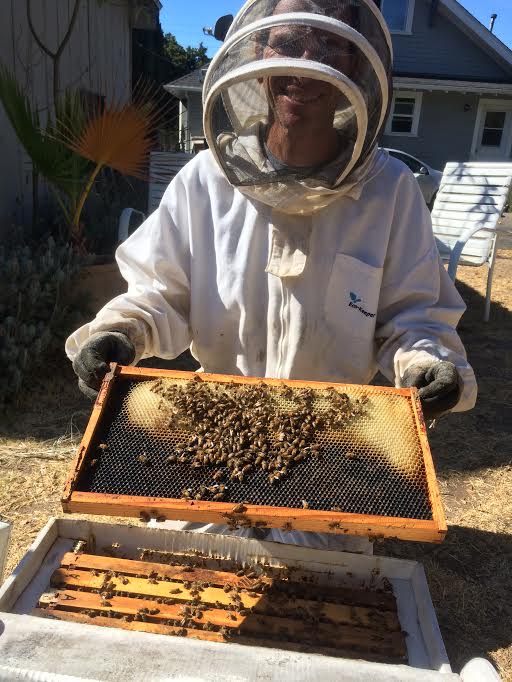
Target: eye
285	46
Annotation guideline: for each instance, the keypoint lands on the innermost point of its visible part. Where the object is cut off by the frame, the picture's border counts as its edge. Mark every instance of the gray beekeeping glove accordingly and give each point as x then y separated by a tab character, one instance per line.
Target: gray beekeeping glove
93	358
439	386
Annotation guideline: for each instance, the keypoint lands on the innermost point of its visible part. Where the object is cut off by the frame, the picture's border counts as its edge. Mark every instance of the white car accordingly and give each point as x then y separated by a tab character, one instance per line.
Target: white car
428	178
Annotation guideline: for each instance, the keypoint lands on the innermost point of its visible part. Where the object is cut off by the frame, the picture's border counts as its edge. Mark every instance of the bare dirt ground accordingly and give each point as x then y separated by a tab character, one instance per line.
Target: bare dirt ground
470	574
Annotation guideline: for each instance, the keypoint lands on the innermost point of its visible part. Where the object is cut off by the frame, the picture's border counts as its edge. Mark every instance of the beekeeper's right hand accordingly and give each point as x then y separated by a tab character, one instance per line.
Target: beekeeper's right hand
93	358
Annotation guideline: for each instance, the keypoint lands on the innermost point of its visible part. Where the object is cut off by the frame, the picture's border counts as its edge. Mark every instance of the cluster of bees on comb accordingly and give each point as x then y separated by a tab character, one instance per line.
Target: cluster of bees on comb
238	429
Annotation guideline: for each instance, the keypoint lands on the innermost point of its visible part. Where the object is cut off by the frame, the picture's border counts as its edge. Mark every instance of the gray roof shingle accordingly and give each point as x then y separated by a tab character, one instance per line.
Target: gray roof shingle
190	82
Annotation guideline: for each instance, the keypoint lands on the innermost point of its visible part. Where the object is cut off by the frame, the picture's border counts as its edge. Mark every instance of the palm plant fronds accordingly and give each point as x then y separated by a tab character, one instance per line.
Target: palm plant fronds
117	135
121	135
58	165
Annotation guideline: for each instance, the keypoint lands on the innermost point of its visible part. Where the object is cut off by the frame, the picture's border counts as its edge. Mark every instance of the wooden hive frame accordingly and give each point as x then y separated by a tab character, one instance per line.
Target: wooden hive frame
75	501
234	603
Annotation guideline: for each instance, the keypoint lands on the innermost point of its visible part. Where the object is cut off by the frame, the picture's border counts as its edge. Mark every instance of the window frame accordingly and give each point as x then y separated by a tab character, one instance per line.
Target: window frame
418	99
408	22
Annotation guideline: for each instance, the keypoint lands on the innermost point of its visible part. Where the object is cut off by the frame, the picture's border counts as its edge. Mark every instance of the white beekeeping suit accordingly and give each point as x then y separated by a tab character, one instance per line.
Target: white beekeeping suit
293	247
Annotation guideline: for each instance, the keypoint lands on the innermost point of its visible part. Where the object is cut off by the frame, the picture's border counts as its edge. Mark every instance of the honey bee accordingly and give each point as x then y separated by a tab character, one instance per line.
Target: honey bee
144	459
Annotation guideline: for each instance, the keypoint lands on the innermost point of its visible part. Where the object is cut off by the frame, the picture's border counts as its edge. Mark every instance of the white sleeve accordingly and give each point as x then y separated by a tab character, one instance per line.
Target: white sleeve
155	262
419	306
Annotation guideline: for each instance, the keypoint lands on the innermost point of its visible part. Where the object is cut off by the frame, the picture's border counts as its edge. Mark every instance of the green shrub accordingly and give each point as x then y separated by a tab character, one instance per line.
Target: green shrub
35	283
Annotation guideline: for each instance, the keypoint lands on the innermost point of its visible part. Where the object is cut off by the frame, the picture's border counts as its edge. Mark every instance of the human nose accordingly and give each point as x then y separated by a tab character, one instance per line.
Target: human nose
312	48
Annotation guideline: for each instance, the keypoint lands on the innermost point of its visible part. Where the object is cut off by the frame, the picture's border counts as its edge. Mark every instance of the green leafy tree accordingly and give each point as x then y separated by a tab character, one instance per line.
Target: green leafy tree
183	60
160	58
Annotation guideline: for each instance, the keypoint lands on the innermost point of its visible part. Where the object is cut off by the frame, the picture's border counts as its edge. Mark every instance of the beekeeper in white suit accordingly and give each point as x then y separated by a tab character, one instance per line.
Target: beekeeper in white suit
293	247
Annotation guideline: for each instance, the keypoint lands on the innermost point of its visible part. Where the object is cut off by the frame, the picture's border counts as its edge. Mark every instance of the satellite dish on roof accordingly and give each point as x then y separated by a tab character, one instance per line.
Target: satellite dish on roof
222	27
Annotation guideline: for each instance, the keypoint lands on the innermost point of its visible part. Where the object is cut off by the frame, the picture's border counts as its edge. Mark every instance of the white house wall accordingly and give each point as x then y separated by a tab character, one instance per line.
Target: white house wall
97	59
195	115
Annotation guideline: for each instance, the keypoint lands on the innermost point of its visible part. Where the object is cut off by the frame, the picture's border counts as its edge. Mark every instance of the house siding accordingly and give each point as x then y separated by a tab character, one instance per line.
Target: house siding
443	49
445	136
97	58
195	115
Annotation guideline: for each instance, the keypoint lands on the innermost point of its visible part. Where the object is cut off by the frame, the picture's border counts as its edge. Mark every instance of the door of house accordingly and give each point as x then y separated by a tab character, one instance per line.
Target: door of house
494	131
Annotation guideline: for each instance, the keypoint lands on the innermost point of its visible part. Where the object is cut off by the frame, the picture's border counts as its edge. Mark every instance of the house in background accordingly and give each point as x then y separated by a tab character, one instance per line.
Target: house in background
189	90
97	60
452	96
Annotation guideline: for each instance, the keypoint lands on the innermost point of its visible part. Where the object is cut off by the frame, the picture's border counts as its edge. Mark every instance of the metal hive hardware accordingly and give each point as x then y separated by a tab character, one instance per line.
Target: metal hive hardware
375	472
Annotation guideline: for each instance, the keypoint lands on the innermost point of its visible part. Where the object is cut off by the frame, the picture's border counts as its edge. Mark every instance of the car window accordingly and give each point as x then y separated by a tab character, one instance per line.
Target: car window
408	160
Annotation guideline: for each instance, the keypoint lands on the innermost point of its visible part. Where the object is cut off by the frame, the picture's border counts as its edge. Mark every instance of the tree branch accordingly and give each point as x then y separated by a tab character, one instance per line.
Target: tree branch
70	28
34	34
54	56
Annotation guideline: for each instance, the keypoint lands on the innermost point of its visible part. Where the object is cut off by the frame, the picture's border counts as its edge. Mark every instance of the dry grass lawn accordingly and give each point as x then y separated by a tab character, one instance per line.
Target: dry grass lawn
470	574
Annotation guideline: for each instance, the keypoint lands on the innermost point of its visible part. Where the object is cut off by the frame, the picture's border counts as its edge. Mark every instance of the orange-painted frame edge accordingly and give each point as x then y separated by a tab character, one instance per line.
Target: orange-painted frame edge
217	512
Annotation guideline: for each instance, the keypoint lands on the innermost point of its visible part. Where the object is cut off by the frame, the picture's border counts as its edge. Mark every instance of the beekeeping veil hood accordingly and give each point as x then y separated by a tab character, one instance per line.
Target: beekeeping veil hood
261	81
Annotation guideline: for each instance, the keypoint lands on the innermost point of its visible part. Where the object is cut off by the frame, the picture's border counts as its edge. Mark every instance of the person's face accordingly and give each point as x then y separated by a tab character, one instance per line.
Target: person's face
297	101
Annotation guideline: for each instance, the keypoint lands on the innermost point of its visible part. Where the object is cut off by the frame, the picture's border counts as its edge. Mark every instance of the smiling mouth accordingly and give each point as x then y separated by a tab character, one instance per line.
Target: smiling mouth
301	98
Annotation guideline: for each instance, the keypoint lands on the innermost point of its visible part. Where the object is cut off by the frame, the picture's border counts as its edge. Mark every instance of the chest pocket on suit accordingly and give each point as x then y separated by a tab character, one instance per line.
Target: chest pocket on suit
352	297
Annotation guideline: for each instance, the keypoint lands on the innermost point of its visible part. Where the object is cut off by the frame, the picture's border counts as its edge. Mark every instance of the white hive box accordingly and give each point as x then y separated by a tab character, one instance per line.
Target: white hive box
32	647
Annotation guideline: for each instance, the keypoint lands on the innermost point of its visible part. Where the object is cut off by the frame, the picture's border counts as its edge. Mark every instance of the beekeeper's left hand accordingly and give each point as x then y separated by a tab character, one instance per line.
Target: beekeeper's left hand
438	384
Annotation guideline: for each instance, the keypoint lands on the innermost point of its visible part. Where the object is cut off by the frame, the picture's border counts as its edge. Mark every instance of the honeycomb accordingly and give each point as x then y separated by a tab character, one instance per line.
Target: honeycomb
372	465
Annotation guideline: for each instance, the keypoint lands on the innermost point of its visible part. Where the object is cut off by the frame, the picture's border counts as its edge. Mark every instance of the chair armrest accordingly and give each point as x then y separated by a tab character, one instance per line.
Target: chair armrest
459	247
124	223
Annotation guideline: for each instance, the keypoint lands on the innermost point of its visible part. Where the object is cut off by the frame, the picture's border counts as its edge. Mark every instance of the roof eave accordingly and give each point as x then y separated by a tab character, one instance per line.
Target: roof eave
488	39
181	90
431	84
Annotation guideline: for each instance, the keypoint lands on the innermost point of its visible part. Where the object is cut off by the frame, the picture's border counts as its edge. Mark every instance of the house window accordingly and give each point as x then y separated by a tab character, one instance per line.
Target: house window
404	116
494	125
398	15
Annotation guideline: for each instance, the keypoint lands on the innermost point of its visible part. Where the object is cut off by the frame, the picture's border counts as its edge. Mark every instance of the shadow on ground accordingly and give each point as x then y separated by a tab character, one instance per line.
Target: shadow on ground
482	437
471	586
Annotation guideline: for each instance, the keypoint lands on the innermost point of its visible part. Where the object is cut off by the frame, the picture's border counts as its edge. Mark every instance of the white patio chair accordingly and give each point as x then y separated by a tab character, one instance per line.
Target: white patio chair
163	166
470	201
